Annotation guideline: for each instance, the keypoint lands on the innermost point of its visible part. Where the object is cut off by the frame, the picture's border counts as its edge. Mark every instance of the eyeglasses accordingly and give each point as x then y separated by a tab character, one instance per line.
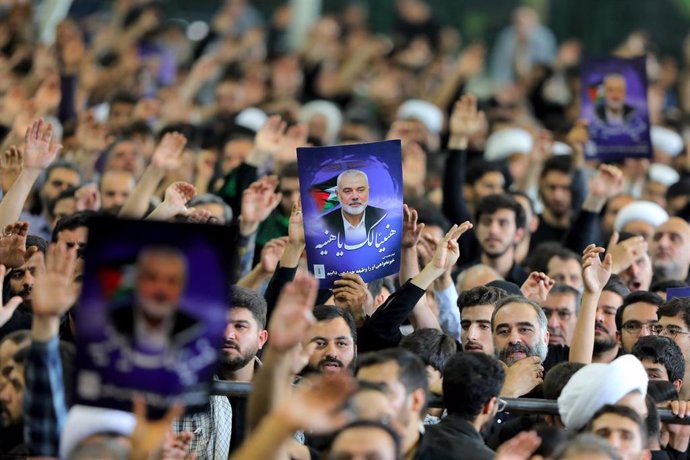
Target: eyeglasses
502	403
669	330
563	315
635	327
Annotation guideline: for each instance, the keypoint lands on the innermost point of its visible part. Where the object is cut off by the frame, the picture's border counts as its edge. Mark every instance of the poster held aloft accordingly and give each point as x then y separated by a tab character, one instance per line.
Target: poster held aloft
614	102
352	206
151	313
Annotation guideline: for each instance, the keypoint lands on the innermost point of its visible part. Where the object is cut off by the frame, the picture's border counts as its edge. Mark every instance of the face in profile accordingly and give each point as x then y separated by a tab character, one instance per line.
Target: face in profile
161	279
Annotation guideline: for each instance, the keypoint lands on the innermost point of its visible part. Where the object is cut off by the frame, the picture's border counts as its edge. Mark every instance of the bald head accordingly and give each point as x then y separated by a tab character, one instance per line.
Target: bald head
478	275
670	249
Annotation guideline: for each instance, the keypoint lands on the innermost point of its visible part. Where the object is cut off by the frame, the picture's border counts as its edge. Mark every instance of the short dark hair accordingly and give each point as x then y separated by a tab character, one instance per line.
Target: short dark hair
40	243
411	371
663	286
480	295
557	378
397	441
675	306
560	163
434	347
65	194
616	285
470	380
538	259
376	286
63	164
564	254
661	350
330	312
564	289
529	199
634	297
289	170
621	411
478	169
17	337
661	391
73	222
680	188
492	203
252	301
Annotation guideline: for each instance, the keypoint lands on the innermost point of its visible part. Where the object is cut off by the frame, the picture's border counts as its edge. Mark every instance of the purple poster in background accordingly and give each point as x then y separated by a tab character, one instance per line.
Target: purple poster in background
152	312
681	292
352	205
614	101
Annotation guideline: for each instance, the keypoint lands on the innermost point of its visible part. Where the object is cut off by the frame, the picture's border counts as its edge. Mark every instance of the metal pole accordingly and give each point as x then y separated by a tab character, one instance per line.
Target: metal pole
513	405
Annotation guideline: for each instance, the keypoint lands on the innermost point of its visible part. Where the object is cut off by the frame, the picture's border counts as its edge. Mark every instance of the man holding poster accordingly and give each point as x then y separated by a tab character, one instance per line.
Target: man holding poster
348	226
614	102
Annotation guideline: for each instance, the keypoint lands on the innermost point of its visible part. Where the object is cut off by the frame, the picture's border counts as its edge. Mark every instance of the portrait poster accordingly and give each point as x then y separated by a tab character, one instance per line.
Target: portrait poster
614	102
352	205
152	312
681	292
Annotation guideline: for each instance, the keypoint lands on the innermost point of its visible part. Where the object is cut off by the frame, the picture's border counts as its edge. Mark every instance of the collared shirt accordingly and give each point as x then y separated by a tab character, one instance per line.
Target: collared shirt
355	234
212	429
152	339
614	118
45	409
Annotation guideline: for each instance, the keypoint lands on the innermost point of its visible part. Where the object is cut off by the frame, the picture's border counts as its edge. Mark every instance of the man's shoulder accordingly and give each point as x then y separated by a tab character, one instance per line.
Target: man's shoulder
377	213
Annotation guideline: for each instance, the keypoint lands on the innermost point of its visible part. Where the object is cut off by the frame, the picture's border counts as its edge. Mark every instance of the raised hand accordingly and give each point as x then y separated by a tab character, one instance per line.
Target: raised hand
12	160
268	139
465	120
521	447
39	151
177	195
295	136
351	293
258	201
54	292
293	315
13	250
595	274
296	225
271	254
412	232
607	182
6	311
201	216
318	406
149	435
448	250
624	254
537	287
87	197
167	154
578	135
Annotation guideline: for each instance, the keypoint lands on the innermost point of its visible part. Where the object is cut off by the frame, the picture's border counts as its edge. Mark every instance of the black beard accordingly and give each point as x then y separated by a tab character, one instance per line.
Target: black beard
602	346
235	363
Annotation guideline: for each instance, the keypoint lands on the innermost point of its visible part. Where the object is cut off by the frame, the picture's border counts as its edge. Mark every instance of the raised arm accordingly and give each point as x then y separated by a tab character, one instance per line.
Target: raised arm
39	152
165	158
595	275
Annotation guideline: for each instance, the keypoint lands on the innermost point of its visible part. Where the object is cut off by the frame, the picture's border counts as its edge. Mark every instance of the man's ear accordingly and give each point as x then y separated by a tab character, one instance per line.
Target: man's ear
418	400
677	384
488	407
533	224
263	337
519	235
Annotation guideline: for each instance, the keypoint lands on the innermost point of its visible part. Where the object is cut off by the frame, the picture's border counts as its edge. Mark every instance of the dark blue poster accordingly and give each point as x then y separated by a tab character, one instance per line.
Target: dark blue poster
152	312
614	101
352	207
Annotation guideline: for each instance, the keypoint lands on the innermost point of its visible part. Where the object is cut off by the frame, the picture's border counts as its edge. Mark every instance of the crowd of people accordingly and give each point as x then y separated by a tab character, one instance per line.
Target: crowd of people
528	268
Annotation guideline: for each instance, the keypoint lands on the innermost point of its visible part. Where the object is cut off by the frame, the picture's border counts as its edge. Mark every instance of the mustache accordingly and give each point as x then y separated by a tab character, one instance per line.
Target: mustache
330	360
517	348
600	325
231	344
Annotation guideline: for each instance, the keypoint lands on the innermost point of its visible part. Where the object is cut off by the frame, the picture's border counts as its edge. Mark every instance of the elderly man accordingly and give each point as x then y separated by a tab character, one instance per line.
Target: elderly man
614	111
561	307
670	250
152	320
355	218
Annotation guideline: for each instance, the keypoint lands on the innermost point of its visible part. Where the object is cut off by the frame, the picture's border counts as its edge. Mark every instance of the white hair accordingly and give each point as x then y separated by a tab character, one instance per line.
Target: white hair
352	172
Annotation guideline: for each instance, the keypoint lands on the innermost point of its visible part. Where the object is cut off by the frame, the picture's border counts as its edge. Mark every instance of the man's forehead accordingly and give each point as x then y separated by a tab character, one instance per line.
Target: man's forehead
640	310
676	320
516	312
556	263
560	300
614	422
331	329
241	314
476	312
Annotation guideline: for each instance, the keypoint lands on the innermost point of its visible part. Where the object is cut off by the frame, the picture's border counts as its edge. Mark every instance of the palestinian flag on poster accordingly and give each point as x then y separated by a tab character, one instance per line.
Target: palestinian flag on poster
595	91
325	194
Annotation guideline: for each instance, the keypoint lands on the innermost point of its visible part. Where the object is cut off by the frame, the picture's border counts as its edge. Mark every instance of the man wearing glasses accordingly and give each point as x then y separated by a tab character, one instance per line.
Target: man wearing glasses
674	322
561	308
637	317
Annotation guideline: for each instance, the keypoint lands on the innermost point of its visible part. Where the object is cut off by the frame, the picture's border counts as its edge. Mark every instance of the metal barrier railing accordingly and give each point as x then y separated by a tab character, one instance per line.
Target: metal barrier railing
513	405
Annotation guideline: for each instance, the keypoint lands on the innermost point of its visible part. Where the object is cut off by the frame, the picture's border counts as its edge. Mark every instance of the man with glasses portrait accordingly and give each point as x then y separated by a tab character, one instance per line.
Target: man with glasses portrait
637	317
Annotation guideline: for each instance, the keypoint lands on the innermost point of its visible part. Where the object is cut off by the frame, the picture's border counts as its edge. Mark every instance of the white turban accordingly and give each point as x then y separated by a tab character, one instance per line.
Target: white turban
505	142
251	118
560	148
666	140
330	111
426	112
596	385
85	421
646	211
663	174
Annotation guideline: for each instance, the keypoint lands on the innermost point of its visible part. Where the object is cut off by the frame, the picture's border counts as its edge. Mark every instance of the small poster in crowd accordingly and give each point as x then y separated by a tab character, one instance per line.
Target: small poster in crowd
152	312
674	293
614	101
352	205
